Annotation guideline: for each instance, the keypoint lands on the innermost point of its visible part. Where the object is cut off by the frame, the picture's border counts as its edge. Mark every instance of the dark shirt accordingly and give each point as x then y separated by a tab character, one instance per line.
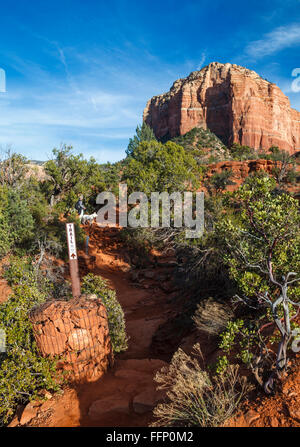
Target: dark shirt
80	206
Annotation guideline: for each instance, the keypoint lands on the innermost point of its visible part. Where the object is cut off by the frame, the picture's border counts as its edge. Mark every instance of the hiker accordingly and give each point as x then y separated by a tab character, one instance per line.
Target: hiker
79	206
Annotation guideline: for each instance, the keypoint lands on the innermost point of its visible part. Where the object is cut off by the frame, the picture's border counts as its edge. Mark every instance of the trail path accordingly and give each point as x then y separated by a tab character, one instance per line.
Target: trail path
125	395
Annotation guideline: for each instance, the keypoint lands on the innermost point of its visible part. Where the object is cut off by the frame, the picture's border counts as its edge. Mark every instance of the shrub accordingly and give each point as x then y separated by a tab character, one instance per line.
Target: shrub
116	320
195	398
212	316
23	373
20	219
284	166
5	239
54	231
13	168
242	152
243	337
219	181
262	244
16	221
36	200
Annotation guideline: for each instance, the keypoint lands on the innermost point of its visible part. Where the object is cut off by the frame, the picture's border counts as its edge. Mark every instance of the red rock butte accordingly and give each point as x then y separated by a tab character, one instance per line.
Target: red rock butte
233	102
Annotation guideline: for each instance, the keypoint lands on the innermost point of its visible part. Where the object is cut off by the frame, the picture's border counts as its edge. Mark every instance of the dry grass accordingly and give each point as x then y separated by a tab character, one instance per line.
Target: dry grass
194	398
212	316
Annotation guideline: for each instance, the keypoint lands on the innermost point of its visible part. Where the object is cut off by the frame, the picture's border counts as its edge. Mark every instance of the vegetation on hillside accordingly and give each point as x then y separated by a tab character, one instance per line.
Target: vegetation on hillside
203	145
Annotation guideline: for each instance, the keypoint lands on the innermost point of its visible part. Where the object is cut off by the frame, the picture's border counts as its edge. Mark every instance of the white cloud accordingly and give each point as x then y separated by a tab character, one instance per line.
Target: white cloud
35	120
277	40
202	60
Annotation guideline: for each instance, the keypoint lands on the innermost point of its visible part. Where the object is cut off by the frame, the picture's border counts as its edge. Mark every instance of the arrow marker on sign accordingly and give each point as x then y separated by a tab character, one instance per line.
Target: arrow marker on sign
73	260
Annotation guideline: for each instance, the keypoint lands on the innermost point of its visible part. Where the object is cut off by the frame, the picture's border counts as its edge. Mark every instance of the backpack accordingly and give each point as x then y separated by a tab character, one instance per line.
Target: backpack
78	206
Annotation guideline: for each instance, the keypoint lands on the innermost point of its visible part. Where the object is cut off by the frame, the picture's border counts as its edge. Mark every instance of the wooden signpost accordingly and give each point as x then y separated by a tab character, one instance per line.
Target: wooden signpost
73	260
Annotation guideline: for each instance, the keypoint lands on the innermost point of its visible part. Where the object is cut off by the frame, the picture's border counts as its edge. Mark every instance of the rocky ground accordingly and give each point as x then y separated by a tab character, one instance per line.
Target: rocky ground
280	410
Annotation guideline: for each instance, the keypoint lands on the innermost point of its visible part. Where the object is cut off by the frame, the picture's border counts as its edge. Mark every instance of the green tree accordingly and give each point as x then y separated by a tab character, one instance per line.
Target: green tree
13	168
242	152
143	133
203	144
159	167
36	201
218	181
262	239
20	218
284	169
71	175
16	222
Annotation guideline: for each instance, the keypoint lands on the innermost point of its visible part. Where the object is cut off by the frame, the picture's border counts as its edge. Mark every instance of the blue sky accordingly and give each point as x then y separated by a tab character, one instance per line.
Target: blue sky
81	72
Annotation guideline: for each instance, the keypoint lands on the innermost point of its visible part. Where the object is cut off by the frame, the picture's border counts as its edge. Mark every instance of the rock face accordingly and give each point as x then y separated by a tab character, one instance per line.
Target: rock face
233	102
242	169
76	331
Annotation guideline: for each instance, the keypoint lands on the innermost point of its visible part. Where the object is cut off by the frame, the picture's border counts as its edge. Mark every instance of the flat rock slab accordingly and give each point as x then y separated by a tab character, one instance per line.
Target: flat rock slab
131	375
100	407
141	333
147	400
142	365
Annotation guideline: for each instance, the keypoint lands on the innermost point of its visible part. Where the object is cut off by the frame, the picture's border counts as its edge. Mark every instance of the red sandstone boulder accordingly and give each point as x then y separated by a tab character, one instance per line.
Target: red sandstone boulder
79	339
50	345
29	412
76	331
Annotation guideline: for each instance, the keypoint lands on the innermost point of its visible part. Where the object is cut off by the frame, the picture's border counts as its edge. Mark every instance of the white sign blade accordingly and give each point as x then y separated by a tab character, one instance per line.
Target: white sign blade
71	241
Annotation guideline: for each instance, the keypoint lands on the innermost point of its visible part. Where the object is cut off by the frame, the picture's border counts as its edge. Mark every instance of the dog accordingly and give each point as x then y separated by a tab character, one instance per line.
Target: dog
87	218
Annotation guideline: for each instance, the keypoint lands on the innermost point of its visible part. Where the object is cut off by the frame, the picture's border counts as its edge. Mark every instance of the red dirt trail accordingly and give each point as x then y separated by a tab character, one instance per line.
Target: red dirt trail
133	372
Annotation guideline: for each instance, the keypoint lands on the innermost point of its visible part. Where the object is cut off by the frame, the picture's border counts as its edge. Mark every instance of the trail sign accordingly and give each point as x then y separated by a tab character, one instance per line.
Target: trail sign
73	260
71	240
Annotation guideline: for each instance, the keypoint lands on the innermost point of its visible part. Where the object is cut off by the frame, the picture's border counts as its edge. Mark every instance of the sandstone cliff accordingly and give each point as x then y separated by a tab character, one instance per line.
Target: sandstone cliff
233	102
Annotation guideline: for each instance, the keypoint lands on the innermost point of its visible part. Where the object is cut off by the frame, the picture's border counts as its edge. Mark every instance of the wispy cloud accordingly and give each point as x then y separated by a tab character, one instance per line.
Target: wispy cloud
35	121
277	40
202	60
